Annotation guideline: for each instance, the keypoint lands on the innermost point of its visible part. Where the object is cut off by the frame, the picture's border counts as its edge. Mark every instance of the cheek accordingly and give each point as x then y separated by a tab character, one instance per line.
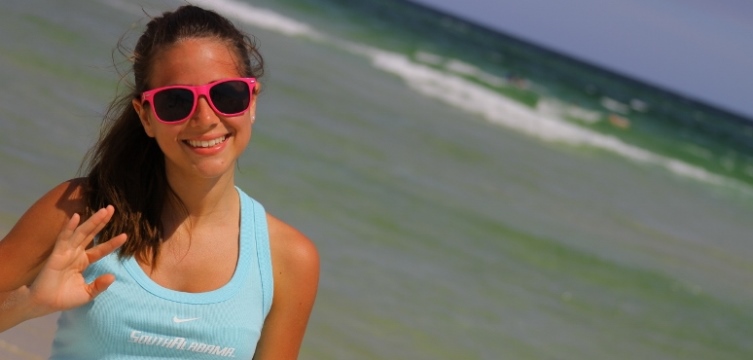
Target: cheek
247	122
249	129
165	136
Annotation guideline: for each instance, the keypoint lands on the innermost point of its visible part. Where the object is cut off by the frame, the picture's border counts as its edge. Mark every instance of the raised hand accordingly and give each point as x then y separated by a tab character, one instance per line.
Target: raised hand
60	284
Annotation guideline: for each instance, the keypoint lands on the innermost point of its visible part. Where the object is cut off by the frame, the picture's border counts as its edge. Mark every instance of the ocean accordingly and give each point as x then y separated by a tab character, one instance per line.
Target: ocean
472	196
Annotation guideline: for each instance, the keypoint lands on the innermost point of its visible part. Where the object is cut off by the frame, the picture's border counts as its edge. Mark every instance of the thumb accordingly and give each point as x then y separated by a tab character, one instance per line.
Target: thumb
100	284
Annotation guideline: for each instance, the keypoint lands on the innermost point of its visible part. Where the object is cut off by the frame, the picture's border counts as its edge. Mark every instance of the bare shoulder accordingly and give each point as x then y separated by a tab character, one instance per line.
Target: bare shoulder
295	263
29	242
291	249
60	203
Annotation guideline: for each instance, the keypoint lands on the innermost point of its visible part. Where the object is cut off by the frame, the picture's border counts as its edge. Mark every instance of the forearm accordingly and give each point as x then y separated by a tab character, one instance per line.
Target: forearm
16	307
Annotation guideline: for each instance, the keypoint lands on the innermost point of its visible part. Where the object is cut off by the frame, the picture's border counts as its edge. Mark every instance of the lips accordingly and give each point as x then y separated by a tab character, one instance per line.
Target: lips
206	143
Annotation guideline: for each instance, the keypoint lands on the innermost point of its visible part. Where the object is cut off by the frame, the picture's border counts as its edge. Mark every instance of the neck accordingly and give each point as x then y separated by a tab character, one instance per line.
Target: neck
198	205
201	199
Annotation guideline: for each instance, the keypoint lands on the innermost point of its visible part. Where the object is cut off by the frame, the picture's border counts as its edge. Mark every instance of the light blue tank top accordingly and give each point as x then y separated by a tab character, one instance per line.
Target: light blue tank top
135	318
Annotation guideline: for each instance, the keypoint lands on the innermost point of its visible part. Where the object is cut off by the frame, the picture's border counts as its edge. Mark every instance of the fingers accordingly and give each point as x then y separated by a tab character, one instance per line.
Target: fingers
92	226
105	248
100	284
83	234
70	227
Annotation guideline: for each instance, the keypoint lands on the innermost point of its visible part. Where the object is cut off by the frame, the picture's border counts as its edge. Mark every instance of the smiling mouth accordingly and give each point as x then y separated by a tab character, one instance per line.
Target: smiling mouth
207	143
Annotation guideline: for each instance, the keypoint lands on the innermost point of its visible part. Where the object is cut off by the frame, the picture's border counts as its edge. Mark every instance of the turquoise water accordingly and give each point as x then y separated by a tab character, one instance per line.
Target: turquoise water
472	196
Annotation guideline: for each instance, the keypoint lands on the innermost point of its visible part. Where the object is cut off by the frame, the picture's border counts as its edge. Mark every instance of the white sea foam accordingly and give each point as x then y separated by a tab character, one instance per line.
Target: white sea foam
260	17
251	15
461	67
469	70
558	108
638	105
542	122
614	105
429	58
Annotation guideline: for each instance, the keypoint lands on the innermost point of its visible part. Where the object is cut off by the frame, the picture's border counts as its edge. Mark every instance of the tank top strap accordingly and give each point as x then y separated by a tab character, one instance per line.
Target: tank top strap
254	209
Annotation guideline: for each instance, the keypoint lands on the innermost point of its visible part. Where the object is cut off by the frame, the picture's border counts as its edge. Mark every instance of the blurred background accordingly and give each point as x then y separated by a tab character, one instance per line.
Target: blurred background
483	181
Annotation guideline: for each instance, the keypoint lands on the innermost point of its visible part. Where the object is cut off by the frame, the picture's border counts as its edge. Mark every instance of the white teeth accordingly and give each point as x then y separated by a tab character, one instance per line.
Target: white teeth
206	144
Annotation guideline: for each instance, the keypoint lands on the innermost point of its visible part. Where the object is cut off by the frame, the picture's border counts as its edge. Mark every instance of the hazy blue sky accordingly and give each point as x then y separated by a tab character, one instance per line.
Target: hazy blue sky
700	48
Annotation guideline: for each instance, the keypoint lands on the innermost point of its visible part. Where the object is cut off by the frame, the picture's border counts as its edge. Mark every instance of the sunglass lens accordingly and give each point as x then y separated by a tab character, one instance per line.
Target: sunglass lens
230	97
173	104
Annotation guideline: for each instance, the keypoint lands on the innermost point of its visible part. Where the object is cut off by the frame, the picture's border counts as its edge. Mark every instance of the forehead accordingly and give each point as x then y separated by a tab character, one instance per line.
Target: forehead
194	61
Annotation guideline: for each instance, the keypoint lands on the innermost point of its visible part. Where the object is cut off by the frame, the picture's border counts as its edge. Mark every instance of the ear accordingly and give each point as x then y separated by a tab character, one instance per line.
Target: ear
143	116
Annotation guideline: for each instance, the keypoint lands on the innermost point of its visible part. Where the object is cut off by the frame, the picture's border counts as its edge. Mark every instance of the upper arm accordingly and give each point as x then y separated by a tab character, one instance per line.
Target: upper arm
28	244
295	264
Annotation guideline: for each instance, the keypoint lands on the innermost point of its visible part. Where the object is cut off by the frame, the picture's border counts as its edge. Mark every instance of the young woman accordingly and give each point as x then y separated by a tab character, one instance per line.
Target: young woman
156	252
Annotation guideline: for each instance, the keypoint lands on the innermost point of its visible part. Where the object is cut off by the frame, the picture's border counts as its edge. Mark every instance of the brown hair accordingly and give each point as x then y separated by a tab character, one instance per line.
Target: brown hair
126	168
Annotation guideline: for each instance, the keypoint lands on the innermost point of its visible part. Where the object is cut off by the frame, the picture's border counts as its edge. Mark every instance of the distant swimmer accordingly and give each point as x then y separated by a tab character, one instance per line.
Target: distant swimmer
619	121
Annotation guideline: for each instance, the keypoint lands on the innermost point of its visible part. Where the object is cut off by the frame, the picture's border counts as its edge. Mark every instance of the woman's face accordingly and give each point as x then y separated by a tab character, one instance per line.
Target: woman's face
208	144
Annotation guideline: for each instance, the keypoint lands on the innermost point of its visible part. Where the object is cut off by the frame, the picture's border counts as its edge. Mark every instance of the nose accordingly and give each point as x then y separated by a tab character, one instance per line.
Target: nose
204	114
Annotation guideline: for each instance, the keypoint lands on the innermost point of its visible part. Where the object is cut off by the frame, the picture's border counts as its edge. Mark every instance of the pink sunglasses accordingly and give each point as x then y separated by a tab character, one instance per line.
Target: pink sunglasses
177	103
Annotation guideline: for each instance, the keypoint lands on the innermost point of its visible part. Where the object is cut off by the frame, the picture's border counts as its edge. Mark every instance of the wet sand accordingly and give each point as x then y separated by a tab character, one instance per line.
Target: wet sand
29	340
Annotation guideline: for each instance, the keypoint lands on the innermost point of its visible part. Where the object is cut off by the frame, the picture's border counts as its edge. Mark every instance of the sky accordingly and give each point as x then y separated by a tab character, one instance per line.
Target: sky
701	49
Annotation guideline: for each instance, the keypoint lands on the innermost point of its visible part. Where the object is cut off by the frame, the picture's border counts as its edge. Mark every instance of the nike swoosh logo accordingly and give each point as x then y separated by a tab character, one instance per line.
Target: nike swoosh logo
178	320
